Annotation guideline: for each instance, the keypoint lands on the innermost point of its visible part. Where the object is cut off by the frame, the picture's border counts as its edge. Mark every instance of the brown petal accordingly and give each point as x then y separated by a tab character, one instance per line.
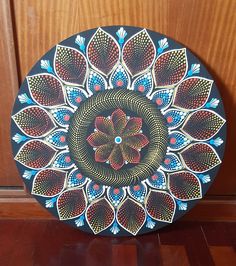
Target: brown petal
116	158
130	154
104	125
97	139
133	126
103	152
118	118
136	141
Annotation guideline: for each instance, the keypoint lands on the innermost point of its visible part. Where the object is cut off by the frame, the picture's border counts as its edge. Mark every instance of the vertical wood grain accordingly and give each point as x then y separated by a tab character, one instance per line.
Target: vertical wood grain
8	91
207	28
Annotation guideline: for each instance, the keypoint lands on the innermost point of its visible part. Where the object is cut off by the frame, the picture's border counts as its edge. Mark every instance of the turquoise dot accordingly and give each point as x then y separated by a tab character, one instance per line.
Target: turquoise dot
118	140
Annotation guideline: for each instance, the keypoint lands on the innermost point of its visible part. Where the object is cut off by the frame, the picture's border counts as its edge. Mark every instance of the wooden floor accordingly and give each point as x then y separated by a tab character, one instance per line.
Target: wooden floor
49	242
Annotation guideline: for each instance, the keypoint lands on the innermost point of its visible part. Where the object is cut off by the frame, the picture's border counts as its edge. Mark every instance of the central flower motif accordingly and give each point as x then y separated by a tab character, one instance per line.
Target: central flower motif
117	139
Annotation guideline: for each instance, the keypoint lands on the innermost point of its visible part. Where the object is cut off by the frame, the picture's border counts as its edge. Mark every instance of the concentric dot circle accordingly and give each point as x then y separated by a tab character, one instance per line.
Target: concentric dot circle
128	100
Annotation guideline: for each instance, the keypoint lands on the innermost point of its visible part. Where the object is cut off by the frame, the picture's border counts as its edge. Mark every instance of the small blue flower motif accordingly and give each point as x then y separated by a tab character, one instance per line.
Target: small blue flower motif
121	33
216	142
182	205
50	203
163	44
28	174
115	229
80	222
195	69
150	223
45	64
81	42
23	98
213	103
204	178
18	138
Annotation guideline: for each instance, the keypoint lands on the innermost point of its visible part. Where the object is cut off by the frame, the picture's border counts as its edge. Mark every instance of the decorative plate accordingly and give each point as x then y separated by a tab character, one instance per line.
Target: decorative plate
118	131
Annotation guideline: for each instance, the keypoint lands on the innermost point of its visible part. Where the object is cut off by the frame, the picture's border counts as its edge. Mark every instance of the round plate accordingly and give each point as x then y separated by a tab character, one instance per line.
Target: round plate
118	131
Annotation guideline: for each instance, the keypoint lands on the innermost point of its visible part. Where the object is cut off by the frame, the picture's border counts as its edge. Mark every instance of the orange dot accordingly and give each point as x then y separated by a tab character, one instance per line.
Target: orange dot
141	88
79	176
173	140
116	191
169	119
167	161
66	117
136	188
119	83
67	159
159	101
78	99
154	177
97	87
62	139
96	187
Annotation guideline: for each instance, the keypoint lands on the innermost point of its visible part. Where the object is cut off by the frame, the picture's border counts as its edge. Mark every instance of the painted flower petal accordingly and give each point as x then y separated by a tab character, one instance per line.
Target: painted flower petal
185	185
136	141
116	158
57	138
162	98
46	90
76	179
116	195
34	121
95	82
177	140
203	124
131	216
171	162
75	96
62	115
63	161
174	118
139	53
70	65
133	126
119	121
104	125
98	138
200	157
71	203
103	51
170	68
130	154
94	190
102	153
35	154
160	206
157	180
143	84
119	78
100	215
138	191
195	90
48	182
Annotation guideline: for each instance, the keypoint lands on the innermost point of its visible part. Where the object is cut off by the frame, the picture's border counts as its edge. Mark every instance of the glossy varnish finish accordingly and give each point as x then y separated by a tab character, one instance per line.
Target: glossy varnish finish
50	243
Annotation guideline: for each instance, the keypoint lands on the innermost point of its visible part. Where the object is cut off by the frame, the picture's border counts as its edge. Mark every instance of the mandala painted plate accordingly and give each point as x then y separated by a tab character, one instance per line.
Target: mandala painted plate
118	131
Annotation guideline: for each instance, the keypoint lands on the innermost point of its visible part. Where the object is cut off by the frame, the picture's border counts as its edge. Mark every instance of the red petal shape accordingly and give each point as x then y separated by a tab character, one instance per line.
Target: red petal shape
104	125
100	215
131	216
139	52
71	204
130	155
103	51
97	139
118	118
170	68
102	153
48	182
133	126
46	90
116	158
136	141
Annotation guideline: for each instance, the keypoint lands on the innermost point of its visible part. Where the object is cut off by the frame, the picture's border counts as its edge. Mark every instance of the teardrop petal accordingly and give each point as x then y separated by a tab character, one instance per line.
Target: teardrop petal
63	160
62	115
96	82
35	154
48	182
76	179
138	191
103	51
139	53
162	98
119	78
94	190
177	140
160	206
71	204
34	121
115	195
200	157
196	91
157	180
170	68
143	84
100	215
131	216
70	65
185	185
174	118
75	96
46	90
171	163
57	138
203	124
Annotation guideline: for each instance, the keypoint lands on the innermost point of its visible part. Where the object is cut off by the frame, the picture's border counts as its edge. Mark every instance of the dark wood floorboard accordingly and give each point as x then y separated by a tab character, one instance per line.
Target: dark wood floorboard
52	243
